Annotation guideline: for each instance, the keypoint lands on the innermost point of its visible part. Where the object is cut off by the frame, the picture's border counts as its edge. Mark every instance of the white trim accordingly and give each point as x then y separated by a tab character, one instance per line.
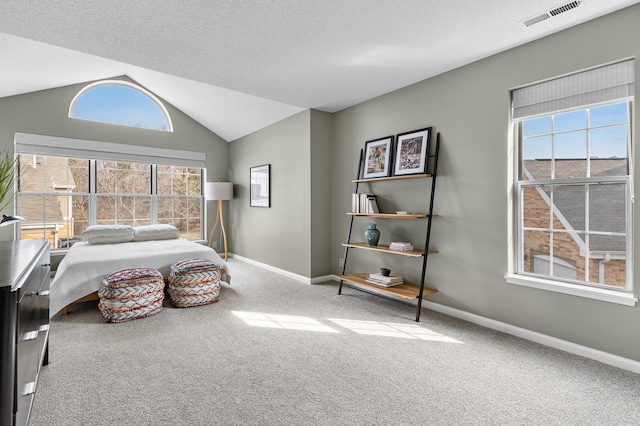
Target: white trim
291	275
322	279
601	294
543	339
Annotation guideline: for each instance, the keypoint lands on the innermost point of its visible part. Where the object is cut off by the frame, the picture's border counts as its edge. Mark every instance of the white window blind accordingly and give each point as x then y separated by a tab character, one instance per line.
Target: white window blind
603	84
26	143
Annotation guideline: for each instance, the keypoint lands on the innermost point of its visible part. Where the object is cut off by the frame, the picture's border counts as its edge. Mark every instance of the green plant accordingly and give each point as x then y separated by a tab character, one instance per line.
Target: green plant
7	179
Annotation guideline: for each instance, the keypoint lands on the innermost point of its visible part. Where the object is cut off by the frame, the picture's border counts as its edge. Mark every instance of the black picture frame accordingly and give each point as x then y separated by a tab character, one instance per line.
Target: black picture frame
412	152
378	156
260	186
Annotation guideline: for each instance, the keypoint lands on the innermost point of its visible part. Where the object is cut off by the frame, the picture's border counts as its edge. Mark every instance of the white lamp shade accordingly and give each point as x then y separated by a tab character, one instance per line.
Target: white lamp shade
218	191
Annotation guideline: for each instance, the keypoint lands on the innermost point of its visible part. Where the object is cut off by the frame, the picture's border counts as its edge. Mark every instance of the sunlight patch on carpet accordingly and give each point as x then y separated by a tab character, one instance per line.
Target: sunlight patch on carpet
405	331
290	322
370	328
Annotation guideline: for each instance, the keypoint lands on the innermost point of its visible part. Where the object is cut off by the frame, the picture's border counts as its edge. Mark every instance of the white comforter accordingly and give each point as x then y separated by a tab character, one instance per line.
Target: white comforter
80	272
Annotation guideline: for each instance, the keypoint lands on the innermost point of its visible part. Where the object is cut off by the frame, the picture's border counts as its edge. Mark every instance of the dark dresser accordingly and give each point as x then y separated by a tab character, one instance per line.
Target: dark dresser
24	325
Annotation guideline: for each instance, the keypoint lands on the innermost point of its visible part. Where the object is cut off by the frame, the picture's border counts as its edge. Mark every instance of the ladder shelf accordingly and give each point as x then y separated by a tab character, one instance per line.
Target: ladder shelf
405	291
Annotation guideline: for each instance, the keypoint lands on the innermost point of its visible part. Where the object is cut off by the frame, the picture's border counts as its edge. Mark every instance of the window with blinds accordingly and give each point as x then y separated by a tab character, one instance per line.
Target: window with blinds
574	179
66	185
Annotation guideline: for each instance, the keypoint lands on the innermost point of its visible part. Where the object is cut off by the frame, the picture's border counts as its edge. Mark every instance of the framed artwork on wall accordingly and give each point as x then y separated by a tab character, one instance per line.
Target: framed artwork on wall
377	158
260	181
412	152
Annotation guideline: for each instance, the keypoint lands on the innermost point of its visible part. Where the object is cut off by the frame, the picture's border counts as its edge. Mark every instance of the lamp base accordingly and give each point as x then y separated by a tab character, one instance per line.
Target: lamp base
224	234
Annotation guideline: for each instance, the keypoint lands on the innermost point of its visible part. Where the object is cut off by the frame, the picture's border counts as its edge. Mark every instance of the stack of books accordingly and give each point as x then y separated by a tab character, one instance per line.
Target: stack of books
364	203
381	280
400	246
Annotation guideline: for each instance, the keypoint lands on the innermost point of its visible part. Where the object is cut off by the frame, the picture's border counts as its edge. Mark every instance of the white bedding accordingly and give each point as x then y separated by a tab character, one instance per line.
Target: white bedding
80	272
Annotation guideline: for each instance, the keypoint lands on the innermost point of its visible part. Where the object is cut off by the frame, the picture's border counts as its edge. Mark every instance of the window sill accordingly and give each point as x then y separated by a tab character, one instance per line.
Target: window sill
604	295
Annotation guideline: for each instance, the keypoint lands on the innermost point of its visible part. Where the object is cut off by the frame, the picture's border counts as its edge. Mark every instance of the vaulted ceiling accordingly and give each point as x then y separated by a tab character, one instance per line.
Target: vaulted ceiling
236	66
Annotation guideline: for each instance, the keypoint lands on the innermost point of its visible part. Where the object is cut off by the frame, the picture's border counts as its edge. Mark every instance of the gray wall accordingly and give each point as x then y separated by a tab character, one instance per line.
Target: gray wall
46	113
295	233
279	236
470	107
321	206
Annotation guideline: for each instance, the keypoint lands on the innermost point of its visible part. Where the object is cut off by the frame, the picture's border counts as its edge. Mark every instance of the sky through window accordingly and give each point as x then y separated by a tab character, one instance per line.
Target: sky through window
122	105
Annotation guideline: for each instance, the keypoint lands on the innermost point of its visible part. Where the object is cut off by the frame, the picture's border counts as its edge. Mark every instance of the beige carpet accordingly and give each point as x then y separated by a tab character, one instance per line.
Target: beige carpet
274	351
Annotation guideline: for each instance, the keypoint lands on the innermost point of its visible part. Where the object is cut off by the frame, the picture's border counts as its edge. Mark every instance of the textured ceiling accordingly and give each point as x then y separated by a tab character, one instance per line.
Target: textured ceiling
236	66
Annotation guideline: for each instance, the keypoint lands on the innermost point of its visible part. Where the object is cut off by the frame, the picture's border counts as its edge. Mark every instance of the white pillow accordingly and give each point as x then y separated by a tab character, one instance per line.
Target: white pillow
106	234
99	239
155	232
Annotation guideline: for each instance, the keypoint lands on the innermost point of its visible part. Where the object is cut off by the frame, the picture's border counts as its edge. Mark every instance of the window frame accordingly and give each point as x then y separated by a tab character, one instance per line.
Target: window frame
626	180
128	85
93	151
516	229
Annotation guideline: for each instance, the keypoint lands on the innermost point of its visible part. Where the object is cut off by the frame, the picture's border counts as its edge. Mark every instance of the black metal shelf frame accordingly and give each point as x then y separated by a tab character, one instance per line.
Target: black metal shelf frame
429	217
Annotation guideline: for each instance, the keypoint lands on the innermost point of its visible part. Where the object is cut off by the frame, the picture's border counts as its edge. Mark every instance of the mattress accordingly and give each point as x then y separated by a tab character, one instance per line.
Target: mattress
80	272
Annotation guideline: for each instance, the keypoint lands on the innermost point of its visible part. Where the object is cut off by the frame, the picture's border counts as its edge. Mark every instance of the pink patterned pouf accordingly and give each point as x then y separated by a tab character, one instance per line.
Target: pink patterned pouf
130	294
194	282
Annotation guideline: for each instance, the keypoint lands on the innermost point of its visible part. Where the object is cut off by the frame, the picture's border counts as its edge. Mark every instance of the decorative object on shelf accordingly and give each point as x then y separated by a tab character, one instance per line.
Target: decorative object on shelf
377	158
372	235
412	152
397	245
364	203
219	191
385	272
384	280
260	180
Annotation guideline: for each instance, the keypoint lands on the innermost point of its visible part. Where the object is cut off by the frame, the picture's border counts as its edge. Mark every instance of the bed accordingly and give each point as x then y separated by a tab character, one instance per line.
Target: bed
80	273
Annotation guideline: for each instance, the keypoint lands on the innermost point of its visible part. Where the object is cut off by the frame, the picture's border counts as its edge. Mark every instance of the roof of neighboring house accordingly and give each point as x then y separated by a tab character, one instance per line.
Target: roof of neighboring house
39	177
606	204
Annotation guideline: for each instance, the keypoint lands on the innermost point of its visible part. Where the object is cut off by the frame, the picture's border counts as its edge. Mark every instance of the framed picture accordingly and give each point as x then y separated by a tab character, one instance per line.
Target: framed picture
377	158
260	181
412	152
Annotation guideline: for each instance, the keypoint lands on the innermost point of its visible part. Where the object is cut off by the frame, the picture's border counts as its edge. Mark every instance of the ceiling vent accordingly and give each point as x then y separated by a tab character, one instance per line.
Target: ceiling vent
552	12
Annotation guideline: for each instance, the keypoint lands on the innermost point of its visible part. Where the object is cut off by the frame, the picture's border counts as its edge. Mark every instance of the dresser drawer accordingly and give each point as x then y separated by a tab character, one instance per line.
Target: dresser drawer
30	339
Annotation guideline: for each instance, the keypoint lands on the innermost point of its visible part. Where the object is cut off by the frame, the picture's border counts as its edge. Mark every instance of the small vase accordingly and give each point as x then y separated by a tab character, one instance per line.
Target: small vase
372	235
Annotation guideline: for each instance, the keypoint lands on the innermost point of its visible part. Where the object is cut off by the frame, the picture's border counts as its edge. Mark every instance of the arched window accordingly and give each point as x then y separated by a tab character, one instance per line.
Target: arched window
122	103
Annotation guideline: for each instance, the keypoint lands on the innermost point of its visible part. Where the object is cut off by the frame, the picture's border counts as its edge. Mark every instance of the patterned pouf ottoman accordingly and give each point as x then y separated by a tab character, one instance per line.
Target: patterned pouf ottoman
194	282
130	294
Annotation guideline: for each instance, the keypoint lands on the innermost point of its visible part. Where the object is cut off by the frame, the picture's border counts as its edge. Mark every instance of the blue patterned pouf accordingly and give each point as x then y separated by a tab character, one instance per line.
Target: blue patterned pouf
130	294
194	282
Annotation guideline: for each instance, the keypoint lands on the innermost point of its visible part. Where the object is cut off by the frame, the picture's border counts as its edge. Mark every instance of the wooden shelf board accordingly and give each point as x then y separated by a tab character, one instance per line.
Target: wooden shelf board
421	175
390	215
406	290
386	249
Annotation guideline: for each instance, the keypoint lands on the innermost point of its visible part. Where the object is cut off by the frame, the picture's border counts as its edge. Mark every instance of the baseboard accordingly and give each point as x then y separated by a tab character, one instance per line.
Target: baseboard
291	275
543	339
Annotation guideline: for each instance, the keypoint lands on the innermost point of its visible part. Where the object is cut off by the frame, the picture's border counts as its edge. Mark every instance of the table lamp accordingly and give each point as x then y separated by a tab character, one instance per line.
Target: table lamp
8	220
219	191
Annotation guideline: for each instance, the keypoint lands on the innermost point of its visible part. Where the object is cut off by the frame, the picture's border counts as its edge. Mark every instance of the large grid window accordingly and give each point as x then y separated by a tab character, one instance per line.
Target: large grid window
123	193
60	196
574	194
179	197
